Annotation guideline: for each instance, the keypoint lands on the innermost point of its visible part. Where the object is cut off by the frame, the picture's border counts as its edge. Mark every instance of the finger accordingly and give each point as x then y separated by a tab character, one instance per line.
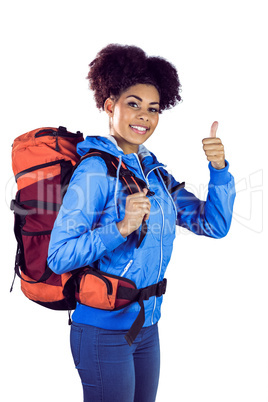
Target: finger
140	201
214	129
214	152
211	141
139	194
213	146
140	206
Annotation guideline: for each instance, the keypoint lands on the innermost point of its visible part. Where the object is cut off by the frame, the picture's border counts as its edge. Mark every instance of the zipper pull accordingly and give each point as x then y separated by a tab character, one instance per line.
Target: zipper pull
127	268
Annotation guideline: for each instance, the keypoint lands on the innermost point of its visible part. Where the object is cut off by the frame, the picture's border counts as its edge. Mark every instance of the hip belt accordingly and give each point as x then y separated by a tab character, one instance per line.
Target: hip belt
97	289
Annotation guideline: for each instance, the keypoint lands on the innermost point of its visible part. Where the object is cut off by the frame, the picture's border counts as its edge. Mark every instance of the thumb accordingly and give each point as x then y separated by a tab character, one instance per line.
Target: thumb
214	129
145	190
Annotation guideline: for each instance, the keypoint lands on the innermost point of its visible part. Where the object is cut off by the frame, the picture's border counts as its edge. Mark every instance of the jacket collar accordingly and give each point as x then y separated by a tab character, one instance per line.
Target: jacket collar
142	151
109	144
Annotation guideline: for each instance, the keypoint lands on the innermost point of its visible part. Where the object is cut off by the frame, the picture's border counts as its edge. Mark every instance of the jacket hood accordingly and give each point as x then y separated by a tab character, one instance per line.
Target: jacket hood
101	143
109	144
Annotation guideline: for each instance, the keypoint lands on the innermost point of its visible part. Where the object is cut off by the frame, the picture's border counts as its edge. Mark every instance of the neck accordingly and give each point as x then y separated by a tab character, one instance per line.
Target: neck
126	147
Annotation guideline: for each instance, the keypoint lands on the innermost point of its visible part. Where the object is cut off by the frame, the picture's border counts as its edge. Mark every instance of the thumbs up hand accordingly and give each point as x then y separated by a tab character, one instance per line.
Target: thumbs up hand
214	148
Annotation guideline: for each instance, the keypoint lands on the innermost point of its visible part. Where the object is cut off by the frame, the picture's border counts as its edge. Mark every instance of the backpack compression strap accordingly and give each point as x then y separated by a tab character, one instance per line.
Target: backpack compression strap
133	183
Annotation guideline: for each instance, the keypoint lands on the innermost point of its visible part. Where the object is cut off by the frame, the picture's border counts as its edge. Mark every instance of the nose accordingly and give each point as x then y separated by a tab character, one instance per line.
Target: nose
143	115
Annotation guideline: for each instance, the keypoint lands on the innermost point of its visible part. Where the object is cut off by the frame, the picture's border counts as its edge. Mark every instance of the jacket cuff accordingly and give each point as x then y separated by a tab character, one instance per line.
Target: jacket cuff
110	236
219	176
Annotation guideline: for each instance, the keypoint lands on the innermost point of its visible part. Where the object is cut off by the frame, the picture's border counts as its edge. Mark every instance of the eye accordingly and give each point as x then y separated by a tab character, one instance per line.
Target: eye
133	104
153	110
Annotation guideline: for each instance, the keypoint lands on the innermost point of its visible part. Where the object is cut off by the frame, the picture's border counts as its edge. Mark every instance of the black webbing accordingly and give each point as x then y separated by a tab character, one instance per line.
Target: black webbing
47	273
143	232
139	295
133	183
19	207
167	181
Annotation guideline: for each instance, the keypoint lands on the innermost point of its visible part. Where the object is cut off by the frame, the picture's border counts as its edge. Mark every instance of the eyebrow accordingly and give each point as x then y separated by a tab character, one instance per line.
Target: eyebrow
137	97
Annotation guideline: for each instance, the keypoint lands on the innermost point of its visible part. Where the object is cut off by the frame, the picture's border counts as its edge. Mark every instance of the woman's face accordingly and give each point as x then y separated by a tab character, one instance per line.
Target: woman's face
134	116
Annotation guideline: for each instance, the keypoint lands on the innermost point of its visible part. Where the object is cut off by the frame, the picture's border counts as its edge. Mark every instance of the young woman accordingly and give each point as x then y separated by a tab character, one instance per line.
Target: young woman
99	225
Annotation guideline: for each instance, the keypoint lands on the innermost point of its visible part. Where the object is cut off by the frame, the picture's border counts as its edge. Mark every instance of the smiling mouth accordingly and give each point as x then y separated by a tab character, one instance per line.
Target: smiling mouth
139	129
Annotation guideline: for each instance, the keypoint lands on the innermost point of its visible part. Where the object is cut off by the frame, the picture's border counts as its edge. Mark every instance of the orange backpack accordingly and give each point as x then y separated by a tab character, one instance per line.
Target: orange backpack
43	161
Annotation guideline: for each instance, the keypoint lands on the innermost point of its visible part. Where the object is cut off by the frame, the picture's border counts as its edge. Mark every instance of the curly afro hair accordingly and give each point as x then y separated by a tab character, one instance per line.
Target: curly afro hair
118	67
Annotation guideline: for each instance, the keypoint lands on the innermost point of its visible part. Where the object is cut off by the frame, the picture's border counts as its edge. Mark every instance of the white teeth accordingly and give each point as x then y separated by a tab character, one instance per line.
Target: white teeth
139	128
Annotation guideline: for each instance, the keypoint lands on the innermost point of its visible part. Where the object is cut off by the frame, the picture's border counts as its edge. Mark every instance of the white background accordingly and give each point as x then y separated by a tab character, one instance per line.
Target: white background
214	331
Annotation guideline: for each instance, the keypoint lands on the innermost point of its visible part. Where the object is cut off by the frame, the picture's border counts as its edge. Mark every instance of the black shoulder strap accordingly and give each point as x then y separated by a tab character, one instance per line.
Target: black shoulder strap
133	184
167	181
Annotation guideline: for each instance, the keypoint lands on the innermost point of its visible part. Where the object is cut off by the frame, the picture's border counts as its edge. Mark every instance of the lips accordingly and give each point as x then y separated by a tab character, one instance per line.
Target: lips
139	129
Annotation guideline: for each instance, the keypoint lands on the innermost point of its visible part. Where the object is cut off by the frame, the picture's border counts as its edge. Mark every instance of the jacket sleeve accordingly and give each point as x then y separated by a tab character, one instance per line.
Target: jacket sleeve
211	217
76	239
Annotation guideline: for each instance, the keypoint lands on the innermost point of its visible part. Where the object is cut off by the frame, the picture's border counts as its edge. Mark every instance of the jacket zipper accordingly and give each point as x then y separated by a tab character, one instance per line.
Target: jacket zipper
161	253
163	222
173	203
127	268
145	178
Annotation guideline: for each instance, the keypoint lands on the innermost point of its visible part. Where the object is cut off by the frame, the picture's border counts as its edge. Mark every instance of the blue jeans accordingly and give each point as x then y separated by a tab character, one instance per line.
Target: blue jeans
113	371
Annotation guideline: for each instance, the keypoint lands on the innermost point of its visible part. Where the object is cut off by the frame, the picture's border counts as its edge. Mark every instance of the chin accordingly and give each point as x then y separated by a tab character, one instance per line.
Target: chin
140	139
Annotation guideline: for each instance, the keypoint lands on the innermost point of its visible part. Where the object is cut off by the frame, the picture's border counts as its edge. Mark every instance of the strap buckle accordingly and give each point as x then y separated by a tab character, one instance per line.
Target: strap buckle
161	288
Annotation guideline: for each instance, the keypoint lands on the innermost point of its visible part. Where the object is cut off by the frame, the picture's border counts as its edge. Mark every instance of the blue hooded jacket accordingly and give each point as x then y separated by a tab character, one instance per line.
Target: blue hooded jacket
85	231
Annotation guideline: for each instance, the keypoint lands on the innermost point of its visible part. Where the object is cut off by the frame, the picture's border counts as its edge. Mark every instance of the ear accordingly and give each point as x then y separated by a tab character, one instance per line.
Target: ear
109	106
